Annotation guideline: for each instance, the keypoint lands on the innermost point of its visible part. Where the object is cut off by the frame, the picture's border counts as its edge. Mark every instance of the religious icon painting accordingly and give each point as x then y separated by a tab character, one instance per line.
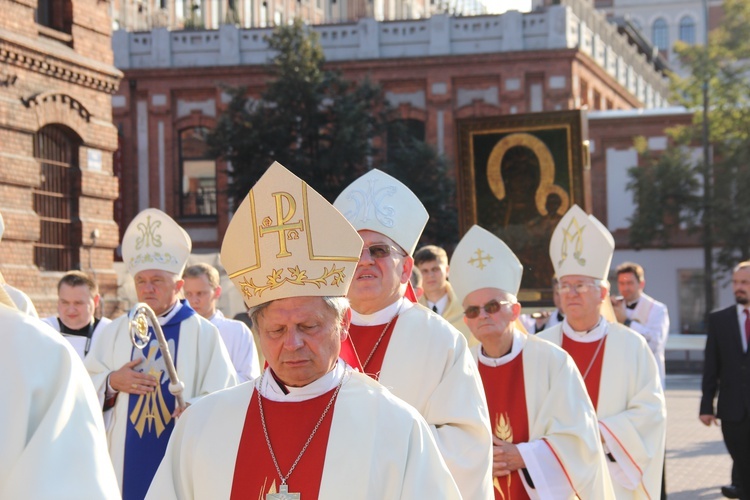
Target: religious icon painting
518	175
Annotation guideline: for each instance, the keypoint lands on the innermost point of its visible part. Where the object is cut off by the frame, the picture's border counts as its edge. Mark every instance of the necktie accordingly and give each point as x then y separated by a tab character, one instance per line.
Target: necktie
434	308
747	328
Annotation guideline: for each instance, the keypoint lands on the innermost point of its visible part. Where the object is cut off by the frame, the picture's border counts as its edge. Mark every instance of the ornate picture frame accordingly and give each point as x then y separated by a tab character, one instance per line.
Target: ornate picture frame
517	176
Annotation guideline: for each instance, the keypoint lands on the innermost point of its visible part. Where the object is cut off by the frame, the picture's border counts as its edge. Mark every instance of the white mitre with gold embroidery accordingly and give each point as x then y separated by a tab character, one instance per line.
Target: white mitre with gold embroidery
286	240
378	202
482	260
154	241
581	245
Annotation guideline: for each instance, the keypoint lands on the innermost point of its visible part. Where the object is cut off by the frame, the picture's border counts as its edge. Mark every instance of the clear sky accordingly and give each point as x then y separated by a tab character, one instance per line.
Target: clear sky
499	6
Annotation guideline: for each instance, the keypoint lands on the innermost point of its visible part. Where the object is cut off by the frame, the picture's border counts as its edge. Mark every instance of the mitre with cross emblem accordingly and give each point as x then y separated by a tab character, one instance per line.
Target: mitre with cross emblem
581	245
482	260
378	202
153	240
285	240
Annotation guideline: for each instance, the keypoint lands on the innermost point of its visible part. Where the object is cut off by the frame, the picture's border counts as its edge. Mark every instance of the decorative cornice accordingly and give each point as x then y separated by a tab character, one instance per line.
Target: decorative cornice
59	66
51	97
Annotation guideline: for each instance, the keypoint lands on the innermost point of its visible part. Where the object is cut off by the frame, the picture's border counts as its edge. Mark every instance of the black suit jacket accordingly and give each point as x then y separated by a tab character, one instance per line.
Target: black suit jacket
726	368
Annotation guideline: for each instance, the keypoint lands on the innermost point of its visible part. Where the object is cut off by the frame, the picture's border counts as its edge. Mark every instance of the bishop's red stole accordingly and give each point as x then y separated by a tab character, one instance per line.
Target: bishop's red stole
506	399
363	339
289	426
582	353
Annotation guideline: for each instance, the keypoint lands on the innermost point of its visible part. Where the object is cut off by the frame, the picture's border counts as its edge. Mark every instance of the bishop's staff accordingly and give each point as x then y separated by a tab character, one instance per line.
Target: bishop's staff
140	316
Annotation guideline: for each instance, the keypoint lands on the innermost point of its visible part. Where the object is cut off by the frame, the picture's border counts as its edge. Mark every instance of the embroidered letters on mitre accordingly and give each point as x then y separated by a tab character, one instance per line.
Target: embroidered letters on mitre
572	234
284	230
371	203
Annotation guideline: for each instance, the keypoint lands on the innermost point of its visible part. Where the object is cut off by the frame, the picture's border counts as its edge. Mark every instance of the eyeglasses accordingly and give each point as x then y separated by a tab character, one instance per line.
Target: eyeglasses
580	288
490	307
381	250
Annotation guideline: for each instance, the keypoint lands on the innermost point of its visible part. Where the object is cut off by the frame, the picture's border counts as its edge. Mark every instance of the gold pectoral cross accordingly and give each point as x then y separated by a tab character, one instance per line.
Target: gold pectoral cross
283	494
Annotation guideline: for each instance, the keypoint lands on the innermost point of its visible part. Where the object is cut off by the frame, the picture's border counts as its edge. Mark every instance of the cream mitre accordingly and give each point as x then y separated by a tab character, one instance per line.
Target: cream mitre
581	245
286	240
154	241
378	202
482	260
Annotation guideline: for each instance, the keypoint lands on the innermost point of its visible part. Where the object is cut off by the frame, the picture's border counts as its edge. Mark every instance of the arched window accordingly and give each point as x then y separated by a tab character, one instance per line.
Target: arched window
197	175
660	34
56	199
687	30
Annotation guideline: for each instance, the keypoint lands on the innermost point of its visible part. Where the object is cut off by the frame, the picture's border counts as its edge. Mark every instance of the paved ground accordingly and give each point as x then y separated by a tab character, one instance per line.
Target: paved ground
697	460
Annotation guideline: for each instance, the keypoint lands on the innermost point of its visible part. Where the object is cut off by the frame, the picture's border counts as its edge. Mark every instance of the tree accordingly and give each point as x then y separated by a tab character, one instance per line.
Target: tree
325	129
668	190
312	121
427	174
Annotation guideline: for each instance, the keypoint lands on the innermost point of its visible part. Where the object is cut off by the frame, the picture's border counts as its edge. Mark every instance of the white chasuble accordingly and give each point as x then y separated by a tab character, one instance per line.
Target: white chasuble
378	448
631	412
429	365
52	442
563	455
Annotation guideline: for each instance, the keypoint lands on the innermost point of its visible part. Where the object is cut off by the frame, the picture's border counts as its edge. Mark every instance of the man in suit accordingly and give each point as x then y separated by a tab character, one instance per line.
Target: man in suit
726	367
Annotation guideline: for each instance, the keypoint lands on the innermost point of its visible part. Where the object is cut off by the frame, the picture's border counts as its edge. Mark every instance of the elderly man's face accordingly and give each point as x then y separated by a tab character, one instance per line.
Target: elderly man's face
158	289
300	339
377	282
581	299
490	326
76	305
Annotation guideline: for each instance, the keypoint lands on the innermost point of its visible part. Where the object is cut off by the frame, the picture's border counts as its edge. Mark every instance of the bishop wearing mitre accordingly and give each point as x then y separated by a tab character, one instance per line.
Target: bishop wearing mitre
310	426
617	366
546	441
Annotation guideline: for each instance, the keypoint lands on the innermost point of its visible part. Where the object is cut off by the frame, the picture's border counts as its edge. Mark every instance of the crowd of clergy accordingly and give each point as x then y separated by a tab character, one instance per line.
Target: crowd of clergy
359	390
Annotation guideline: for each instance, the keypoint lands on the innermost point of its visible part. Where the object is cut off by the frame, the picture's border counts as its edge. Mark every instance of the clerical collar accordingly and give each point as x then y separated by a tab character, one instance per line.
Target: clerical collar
165	317
384	315
519	340
271	389
596	333
441	304
82	332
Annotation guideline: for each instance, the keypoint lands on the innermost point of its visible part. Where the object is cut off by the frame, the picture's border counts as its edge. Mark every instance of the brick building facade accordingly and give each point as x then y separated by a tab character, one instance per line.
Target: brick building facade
57	142
434	70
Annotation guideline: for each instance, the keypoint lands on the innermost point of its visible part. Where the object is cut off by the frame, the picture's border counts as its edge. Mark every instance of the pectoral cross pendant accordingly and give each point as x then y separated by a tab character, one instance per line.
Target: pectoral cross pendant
283	494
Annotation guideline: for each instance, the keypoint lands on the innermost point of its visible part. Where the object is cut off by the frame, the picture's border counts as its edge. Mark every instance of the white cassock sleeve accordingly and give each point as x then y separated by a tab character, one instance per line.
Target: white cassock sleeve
51	429
634	433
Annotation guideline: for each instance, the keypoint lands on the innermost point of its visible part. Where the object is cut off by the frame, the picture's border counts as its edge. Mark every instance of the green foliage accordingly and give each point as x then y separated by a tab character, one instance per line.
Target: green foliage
666	193
313	122
325	129
667	189
427	174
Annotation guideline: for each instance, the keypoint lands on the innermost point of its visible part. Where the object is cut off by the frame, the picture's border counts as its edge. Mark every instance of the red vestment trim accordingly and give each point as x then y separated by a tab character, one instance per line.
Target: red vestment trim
582	353
364	339
506	399
289	426
567	476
